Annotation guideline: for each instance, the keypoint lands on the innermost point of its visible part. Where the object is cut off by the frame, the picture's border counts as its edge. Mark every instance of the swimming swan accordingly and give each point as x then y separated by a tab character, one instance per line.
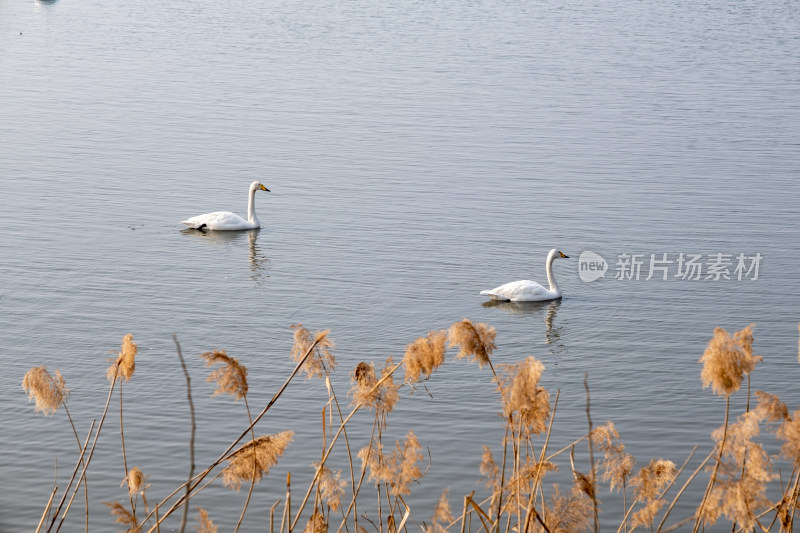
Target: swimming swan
529	291
227	221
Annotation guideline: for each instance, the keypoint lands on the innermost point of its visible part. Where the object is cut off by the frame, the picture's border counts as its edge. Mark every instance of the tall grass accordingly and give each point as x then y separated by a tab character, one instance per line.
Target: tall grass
369	492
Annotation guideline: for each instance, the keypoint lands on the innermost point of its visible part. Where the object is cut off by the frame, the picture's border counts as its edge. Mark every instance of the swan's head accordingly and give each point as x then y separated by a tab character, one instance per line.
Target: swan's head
256	185
555	254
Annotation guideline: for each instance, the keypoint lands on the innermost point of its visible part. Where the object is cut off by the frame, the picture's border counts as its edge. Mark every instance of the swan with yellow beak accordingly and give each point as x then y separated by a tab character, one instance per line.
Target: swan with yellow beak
529	291
227	221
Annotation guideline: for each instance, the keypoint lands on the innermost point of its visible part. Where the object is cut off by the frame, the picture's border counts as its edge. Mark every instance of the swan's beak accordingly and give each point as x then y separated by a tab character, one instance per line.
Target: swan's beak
265	189
564	255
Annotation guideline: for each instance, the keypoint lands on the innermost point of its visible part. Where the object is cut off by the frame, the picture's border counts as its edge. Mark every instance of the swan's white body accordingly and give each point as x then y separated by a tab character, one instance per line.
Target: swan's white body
227	221
529	291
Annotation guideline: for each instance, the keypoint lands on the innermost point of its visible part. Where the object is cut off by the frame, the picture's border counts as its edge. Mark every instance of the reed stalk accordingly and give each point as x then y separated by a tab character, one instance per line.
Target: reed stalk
592	470
124	455
699	515
255	472
46	508
224	454
85	464
188	378
537	479
333	442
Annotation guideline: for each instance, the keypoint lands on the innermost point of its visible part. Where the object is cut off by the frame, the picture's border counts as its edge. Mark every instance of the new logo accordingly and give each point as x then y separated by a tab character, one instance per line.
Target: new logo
591	266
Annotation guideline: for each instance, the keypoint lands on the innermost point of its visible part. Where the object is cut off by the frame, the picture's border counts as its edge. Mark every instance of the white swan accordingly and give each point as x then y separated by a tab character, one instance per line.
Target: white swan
227	221
529	291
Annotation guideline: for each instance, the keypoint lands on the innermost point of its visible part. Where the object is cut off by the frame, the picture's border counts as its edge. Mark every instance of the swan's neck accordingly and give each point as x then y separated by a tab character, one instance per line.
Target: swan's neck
550	277
251	209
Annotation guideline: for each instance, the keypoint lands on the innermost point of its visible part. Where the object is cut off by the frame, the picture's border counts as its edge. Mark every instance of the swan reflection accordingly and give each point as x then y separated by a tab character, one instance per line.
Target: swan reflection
552	333
258	262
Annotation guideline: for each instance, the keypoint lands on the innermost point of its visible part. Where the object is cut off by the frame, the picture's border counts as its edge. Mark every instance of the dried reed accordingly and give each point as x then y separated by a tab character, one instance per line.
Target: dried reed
48	390
332	487
316	524
125	363
475	341
185	515
522	396
369	391
230	377
396	470
254	459
205	525
739	489
124	516
648	485
566	513
134	481
321	361
727	359
424	355
617	464
442	515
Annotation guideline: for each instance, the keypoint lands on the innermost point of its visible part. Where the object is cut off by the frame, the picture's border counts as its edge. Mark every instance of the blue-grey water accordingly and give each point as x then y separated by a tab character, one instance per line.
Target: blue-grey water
416	152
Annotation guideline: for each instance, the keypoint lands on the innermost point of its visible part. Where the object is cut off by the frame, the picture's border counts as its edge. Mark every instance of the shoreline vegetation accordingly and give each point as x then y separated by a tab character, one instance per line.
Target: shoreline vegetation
367	494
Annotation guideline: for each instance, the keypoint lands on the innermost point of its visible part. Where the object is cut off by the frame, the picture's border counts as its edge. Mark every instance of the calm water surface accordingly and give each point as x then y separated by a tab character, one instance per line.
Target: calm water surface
417	153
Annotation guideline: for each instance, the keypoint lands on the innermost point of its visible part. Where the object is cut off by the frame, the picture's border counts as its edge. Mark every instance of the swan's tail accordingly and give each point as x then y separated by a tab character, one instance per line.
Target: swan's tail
193	223
493	295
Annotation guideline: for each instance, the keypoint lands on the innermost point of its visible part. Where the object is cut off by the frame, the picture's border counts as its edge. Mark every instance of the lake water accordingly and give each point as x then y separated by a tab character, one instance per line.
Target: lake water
417	152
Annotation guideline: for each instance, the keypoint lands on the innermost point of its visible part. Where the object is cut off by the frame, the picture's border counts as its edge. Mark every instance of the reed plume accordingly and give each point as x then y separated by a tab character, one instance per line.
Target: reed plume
648	485
617	464
253	460
231	377
133	480
442	515
771	408
403	464
567	513
652	478
363	379
743	474
519	387
205	523
320	362
125	363
475	341
124	516
789	433
585	484
331	486
388	390
48	390
727	359
490	471
526	477
372	459
424	355
316	523
364	391
399	469
725	362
